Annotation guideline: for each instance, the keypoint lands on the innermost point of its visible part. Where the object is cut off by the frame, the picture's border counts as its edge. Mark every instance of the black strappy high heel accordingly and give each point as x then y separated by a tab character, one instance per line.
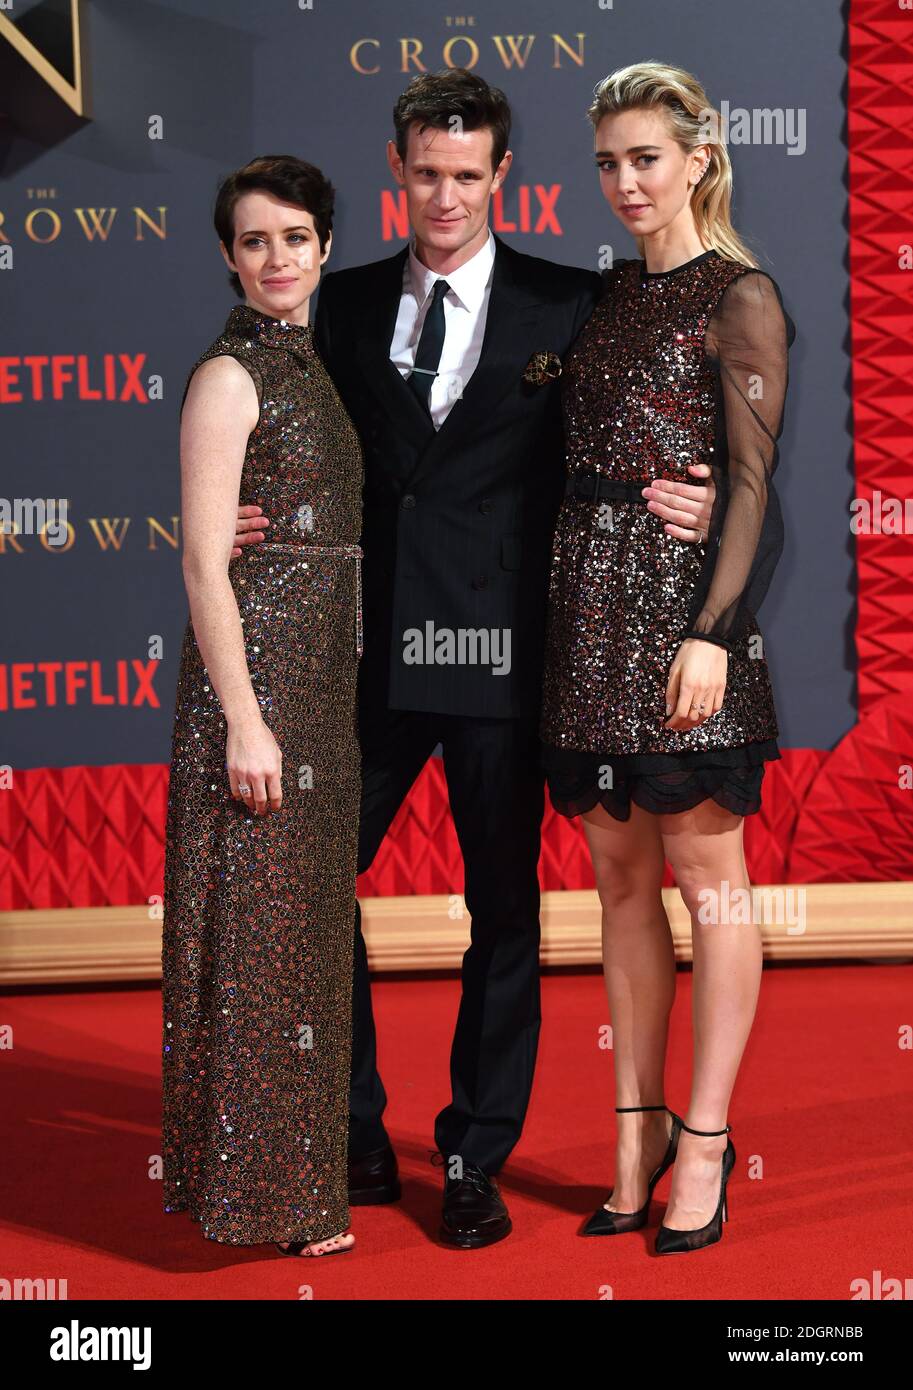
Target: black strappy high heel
616	1223
672	1242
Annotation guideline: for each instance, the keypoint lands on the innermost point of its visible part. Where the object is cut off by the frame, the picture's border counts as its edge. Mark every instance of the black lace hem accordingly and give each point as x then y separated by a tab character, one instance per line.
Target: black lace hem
662	783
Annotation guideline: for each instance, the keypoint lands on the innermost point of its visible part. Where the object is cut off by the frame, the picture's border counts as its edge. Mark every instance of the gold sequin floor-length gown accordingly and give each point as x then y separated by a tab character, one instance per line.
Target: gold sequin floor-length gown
258	934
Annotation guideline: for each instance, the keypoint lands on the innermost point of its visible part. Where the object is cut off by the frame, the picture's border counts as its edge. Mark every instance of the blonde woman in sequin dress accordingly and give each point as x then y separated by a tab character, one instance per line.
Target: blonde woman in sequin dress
263	800
658	716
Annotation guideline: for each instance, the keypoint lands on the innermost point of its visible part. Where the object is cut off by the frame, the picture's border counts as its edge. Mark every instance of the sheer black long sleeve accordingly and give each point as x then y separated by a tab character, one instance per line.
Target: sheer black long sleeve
747	341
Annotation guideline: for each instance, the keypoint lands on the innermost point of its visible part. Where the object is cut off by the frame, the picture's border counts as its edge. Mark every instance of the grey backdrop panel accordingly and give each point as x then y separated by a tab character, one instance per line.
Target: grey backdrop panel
232	80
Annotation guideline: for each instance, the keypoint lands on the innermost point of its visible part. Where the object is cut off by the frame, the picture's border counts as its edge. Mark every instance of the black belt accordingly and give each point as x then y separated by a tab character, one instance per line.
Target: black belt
593	486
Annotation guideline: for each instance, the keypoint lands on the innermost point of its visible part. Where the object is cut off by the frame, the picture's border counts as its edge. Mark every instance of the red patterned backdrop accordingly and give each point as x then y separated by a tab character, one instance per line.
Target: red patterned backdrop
83	837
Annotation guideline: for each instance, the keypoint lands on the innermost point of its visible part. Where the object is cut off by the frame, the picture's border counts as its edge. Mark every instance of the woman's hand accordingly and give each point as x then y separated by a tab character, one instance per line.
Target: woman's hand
254	761
685	508
249	528
696	684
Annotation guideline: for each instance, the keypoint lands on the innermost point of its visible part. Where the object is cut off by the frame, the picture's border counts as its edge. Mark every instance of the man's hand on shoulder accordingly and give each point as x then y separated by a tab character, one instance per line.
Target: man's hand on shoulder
684	508
249	528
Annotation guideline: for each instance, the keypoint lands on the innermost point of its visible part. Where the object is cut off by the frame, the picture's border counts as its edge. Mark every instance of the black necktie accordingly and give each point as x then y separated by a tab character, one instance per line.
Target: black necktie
430	344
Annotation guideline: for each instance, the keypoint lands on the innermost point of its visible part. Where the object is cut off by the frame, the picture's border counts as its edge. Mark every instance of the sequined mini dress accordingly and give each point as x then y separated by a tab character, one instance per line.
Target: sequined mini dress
673	367
259	910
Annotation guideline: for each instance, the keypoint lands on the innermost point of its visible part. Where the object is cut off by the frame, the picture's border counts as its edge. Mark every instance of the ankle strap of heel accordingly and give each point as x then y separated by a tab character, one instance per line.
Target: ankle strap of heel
706	1133
626	1109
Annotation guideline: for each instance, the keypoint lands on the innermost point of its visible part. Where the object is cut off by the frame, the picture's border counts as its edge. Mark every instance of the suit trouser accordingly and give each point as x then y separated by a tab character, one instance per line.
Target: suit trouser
495	786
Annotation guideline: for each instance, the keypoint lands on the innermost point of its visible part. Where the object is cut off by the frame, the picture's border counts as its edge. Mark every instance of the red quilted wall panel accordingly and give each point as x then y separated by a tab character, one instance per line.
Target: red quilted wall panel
880	120
92	837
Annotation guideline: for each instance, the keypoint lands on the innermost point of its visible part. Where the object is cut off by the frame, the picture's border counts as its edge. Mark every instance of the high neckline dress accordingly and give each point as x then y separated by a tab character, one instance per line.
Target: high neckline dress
257	950
673	367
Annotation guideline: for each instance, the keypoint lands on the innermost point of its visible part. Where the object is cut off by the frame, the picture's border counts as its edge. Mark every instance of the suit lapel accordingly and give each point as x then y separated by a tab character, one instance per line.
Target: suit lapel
508	341
507	344
373	353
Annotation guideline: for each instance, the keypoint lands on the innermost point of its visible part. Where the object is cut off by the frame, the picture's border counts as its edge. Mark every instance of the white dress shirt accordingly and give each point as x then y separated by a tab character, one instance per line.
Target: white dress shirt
465	312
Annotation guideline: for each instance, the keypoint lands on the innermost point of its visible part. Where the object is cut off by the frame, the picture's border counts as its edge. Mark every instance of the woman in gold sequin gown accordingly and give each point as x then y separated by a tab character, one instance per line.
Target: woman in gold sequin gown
263	800
658	716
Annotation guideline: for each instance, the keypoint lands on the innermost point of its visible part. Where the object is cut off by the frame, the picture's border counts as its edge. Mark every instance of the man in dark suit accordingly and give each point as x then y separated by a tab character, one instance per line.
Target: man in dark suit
446	356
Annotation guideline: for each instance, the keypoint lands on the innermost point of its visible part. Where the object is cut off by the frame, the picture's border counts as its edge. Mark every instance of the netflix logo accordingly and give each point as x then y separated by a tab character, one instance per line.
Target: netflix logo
46	684
532	208
115	376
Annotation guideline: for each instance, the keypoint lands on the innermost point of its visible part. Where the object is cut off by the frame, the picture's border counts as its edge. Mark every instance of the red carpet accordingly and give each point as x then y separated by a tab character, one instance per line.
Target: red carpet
822	1110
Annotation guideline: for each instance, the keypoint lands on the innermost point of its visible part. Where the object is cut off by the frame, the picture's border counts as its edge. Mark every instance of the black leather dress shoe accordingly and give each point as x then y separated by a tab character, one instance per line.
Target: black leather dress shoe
474	1213
374	1179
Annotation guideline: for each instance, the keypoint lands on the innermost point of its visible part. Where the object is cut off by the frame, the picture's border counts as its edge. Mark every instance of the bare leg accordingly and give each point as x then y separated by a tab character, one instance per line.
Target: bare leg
639	966
704	847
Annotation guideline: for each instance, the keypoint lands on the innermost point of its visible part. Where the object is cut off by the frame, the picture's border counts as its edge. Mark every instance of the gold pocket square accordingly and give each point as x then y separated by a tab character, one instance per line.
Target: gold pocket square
542	367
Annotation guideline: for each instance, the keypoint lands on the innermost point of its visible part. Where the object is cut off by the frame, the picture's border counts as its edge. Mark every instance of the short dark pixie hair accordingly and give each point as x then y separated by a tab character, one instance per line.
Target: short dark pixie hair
285	177
434	98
